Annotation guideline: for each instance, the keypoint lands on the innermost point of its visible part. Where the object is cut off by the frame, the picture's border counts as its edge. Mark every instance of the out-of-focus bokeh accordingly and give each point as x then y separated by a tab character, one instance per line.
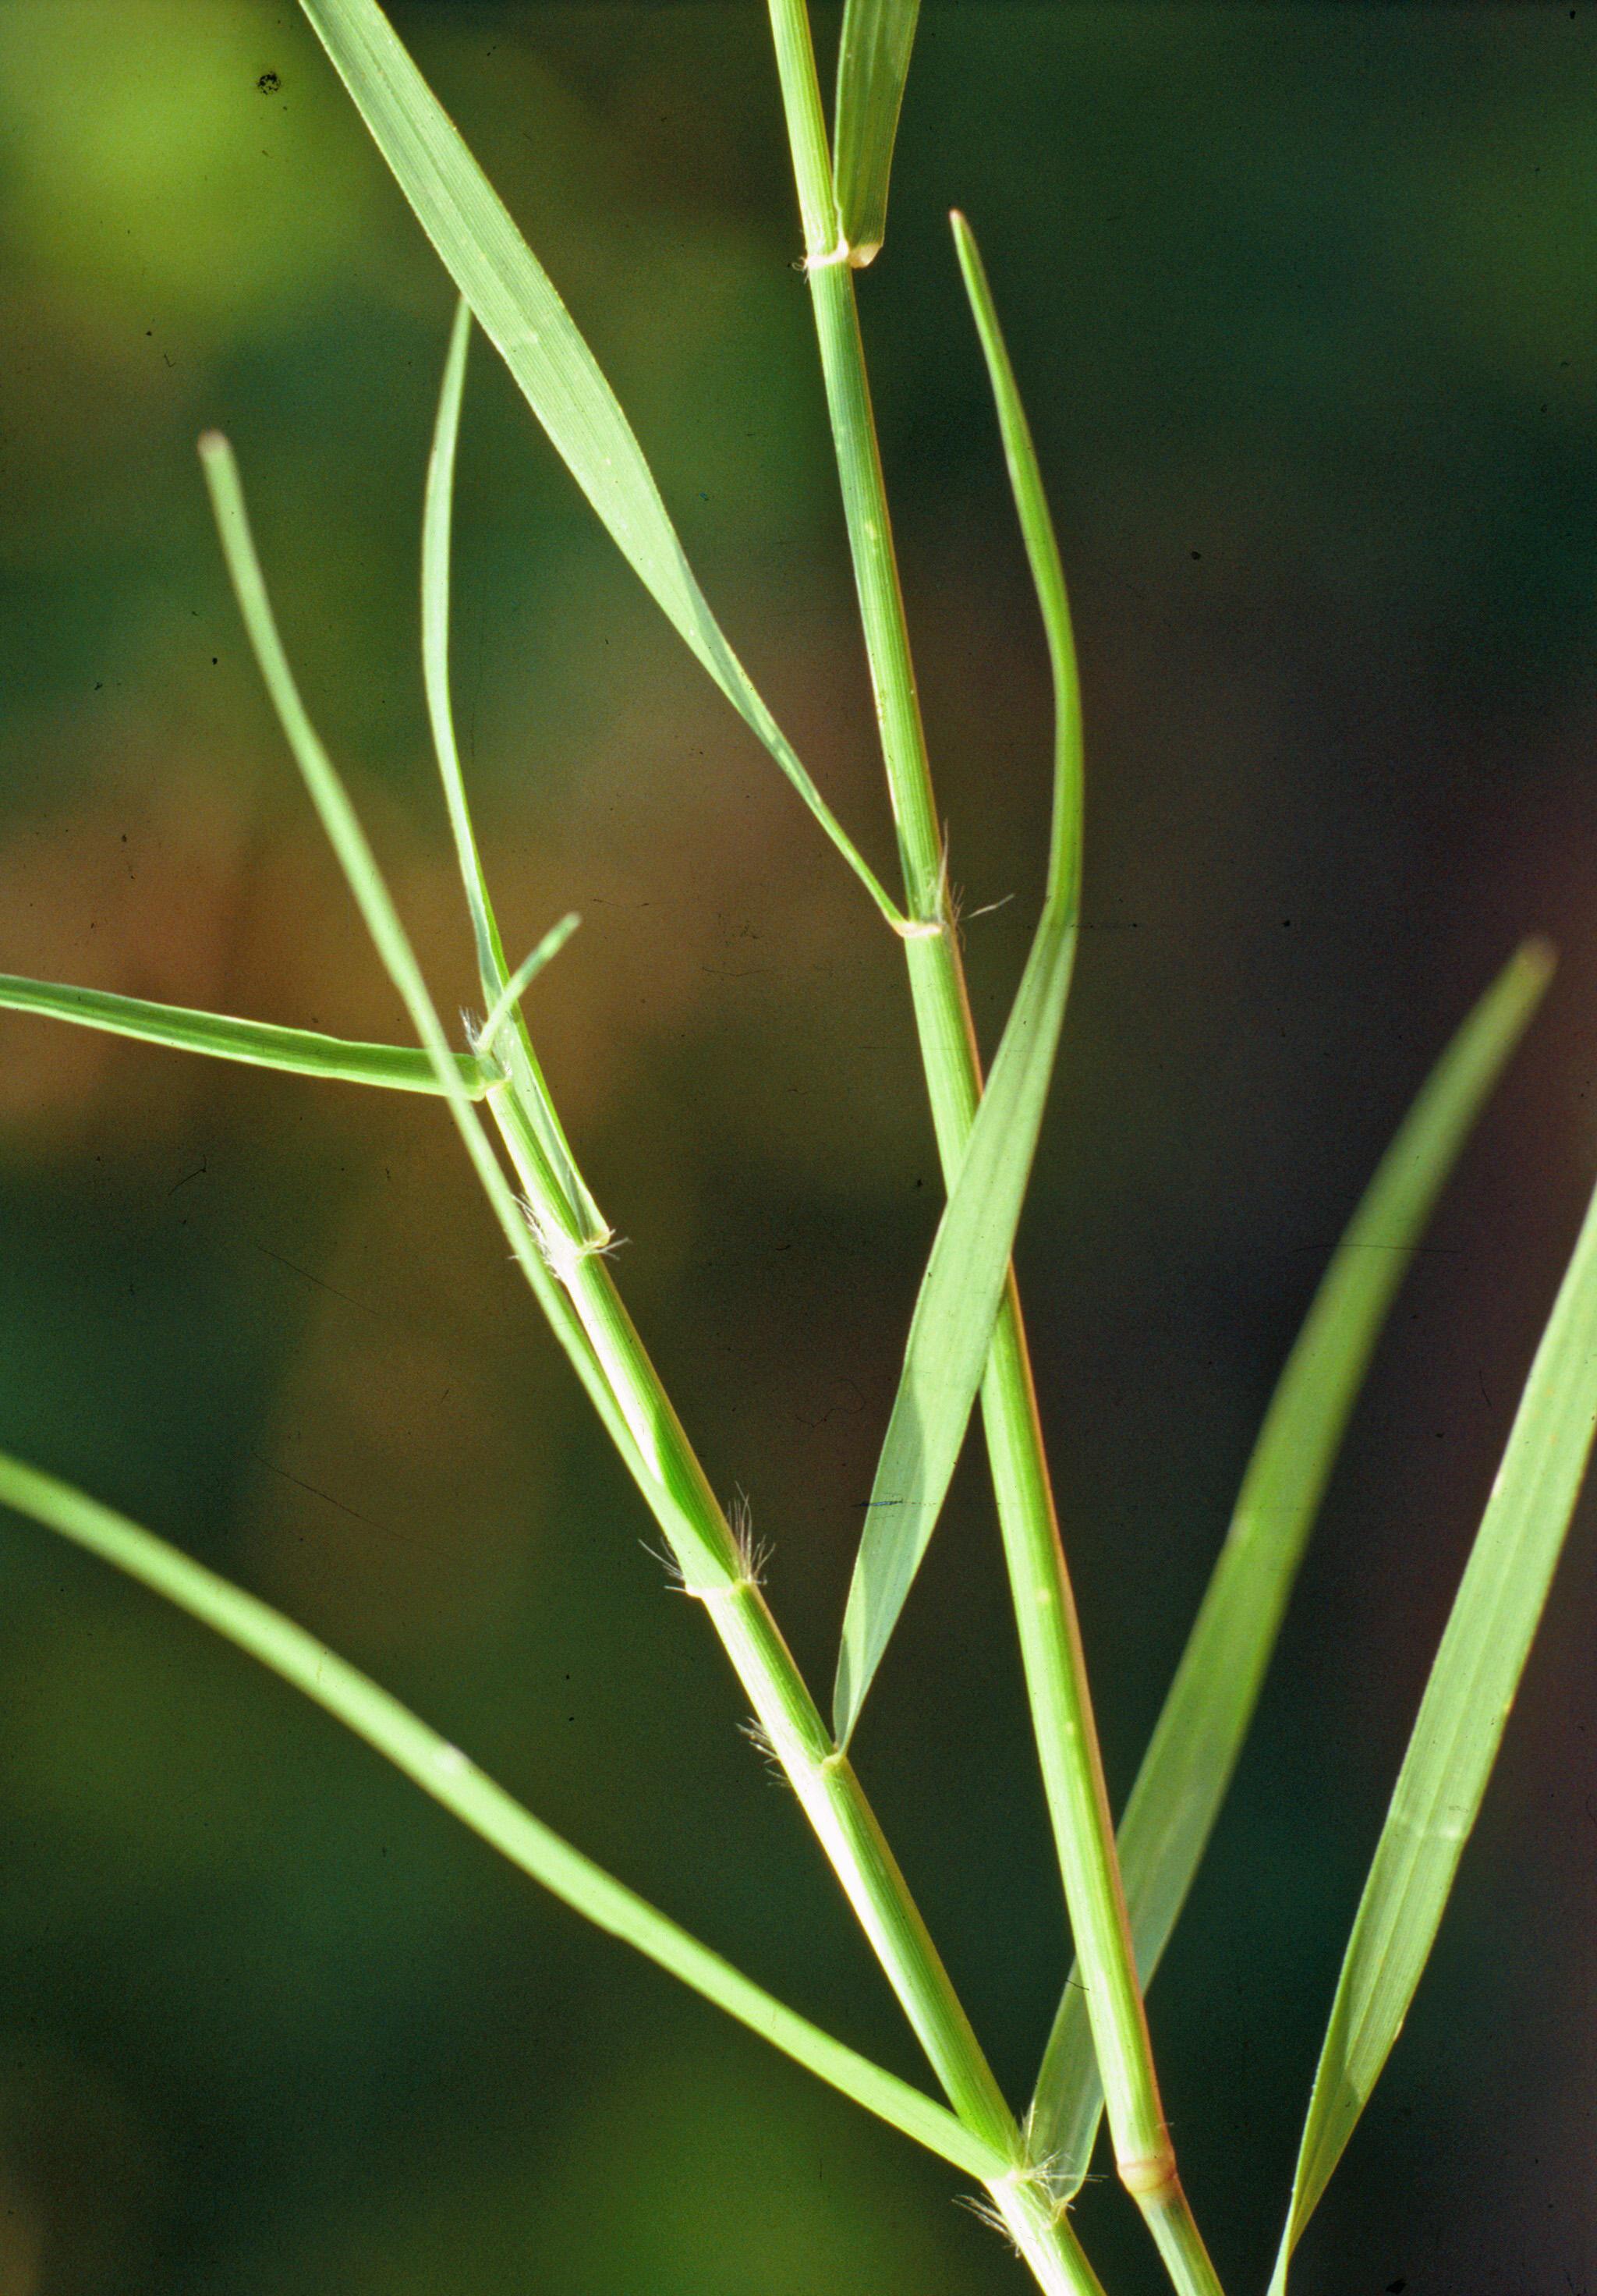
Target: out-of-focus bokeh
1303	302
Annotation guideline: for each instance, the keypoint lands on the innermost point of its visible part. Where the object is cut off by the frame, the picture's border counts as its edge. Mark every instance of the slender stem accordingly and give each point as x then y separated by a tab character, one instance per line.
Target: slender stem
575	1287
1044	1604
719	1573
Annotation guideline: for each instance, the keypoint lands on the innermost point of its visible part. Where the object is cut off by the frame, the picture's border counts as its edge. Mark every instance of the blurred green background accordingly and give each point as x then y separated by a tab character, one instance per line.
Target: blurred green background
1304	302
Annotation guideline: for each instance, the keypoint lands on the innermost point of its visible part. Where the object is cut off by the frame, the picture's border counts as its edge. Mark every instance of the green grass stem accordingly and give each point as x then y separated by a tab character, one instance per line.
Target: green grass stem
1043	1600
1122	1894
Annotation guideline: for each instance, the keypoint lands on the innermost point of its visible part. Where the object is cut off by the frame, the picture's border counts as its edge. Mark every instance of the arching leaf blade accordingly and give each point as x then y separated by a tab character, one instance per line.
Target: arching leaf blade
951	1328
355	856
441	1770
438	521
517	306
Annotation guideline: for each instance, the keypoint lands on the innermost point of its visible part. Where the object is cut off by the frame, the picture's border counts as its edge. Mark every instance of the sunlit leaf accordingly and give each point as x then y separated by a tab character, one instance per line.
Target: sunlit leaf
515	306
444	1772
951	1328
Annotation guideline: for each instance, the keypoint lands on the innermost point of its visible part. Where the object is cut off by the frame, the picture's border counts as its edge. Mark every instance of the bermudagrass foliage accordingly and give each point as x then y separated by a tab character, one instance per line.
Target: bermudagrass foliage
966	1339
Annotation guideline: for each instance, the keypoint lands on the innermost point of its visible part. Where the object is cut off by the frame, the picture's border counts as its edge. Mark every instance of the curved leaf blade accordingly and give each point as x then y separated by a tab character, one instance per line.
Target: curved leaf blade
355	856
444	1772
259	1044
531	1091
1192	1755
438	521
518	308
951	1329
1459	1728
873	66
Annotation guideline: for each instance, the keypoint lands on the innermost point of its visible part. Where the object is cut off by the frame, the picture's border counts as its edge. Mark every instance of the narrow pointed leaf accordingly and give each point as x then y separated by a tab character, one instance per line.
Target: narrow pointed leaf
372	896
1193	1754
1460	1726
304	1052
444	1772
873	66
951	1329
532	1093
437	516
518	308
521	980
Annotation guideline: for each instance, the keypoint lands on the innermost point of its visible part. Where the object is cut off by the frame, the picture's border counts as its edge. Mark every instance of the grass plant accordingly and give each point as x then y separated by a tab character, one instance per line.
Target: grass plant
1121	1890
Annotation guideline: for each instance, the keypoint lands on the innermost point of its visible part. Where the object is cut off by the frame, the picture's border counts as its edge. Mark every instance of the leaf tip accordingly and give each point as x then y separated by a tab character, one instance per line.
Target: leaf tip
1538	958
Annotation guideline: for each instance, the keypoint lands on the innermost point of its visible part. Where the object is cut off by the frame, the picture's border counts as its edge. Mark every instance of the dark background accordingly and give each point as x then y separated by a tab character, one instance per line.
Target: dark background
1303	302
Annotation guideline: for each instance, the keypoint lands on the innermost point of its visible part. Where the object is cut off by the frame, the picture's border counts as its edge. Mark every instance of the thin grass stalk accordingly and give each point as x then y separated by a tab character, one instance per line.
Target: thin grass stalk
719	1572
714	1568
1043	1600
504	1011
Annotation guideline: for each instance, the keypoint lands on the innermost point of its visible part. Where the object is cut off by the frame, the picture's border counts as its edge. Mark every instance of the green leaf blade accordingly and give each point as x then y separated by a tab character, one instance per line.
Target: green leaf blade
517	306
1047	576
441	1770
1192	1755
364	880
258	1044
873	66
532	1094
951	1329
437	519
1471	1689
